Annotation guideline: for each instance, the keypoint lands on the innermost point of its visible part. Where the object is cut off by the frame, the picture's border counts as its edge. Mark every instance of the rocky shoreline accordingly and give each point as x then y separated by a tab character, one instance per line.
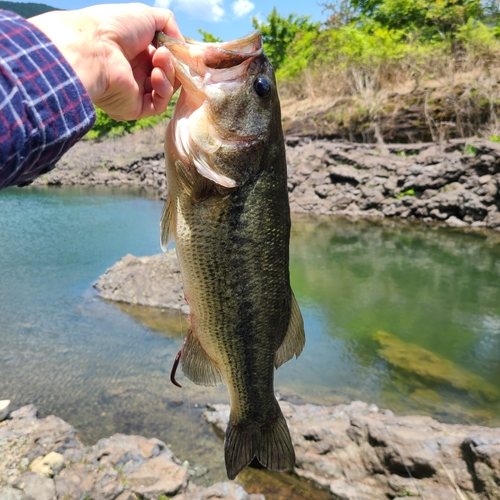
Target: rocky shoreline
359	452
43	459
456	183
355	452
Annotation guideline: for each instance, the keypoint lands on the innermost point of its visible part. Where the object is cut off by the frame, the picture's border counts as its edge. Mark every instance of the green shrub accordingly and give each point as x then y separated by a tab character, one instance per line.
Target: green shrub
106	126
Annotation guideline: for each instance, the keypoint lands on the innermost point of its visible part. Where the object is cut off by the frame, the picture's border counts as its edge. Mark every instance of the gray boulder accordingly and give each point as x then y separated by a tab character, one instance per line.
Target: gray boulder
151	281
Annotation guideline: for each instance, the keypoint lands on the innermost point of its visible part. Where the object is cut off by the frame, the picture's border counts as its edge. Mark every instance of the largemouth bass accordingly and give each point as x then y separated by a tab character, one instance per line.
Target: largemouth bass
228	212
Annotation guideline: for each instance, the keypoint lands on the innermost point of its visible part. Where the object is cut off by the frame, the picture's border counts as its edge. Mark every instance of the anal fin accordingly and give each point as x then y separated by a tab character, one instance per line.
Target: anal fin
295	337
197	364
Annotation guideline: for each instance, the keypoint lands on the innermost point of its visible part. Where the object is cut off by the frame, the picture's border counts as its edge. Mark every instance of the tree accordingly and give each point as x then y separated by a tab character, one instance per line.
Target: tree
342	13
208	37
431	18
279	32
492	13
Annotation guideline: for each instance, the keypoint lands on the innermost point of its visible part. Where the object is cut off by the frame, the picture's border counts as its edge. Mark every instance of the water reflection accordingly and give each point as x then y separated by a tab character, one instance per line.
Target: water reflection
172	324
438	289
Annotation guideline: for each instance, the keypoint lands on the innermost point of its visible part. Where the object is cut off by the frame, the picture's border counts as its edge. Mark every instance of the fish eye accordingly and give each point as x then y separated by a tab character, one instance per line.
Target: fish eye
262	86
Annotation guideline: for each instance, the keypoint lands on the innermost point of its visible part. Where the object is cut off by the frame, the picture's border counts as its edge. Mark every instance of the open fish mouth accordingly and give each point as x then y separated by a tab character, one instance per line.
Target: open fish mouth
198	63
215	77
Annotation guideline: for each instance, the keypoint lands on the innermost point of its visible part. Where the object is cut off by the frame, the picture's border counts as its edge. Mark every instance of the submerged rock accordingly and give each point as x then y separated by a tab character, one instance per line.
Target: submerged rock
432	368
360	452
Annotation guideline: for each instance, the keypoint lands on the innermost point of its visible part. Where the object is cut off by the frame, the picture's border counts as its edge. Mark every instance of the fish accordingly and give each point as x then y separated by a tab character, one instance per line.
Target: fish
228	213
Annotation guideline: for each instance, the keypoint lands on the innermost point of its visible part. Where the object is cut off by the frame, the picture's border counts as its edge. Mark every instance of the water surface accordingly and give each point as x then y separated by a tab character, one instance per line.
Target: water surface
403	316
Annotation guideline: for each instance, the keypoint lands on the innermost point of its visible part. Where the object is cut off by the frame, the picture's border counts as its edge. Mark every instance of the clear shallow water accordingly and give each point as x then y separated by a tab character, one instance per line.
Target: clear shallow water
434	293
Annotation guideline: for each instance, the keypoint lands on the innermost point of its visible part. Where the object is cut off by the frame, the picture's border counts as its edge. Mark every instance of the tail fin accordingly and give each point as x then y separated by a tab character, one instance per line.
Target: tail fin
269	443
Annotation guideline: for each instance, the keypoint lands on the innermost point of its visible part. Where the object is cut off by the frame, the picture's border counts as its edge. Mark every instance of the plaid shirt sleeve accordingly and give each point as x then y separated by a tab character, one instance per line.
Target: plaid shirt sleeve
44	108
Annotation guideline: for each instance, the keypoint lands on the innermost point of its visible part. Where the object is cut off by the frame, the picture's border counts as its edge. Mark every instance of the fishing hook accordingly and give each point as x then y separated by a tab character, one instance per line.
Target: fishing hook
174	369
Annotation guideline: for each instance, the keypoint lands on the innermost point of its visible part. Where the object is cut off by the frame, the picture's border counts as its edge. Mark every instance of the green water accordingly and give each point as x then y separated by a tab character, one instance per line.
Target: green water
105	369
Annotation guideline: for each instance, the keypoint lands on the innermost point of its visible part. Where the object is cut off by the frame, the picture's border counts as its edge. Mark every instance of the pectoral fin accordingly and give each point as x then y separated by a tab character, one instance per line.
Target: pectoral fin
197	364
166	222
194	184
295	337
205	169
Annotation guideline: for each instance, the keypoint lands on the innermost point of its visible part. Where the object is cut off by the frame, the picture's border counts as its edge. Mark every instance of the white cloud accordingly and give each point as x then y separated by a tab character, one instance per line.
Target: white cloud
242	7
164	4
208	10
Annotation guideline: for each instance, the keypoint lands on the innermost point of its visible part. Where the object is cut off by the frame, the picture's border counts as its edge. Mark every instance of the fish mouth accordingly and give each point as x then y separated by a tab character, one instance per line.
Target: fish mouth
207	71
198	63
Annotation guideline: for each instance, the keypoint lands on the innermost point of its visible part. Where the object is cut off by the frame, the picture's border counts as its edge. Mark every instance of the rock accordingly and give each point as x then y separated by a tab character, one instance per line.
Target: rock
227	490
455	222
23	437
28	412
483	456
4	409
36	485
9	493
321	175
348	491
49	465
360	452
493	218
151	281
158	476
130	160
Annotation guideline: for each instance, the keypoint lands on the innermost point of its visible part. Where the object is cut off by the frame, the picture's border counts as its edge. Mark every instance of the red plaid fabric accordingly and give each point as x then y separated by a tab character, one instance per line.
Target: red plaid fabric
44	108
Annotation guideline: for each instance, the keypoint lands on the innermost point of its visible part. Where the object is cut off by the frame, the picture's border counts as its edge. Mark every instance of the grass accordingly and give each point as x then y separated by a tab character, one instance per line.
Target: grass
407	192
470	149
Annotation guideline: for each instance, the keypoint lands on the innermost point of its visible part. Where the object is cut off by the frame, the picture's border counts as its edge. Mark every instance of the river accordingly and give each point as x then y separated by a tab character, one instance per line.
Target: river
401	315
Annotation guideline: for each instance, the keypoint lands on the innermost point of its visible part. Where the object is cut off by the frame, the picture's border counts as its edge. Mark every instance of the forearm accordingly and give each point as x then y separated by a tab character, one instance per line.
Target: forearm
44	108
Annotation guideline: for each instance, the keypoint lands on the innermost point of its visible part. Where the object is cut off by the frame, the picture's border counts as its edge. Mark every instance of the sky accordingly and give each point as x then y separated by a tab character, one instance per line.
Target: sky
226	19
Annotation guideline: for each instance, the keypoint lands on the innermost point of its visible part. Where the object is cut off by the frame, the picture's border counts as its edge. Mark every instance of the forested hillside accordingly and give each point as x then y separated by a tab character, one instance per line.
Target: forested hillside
26	9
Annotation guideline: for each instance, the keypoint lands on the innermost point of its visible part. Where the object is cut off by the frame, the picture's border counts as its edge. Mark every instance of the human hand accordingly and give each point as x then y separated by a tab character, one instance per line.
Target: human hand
109	48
